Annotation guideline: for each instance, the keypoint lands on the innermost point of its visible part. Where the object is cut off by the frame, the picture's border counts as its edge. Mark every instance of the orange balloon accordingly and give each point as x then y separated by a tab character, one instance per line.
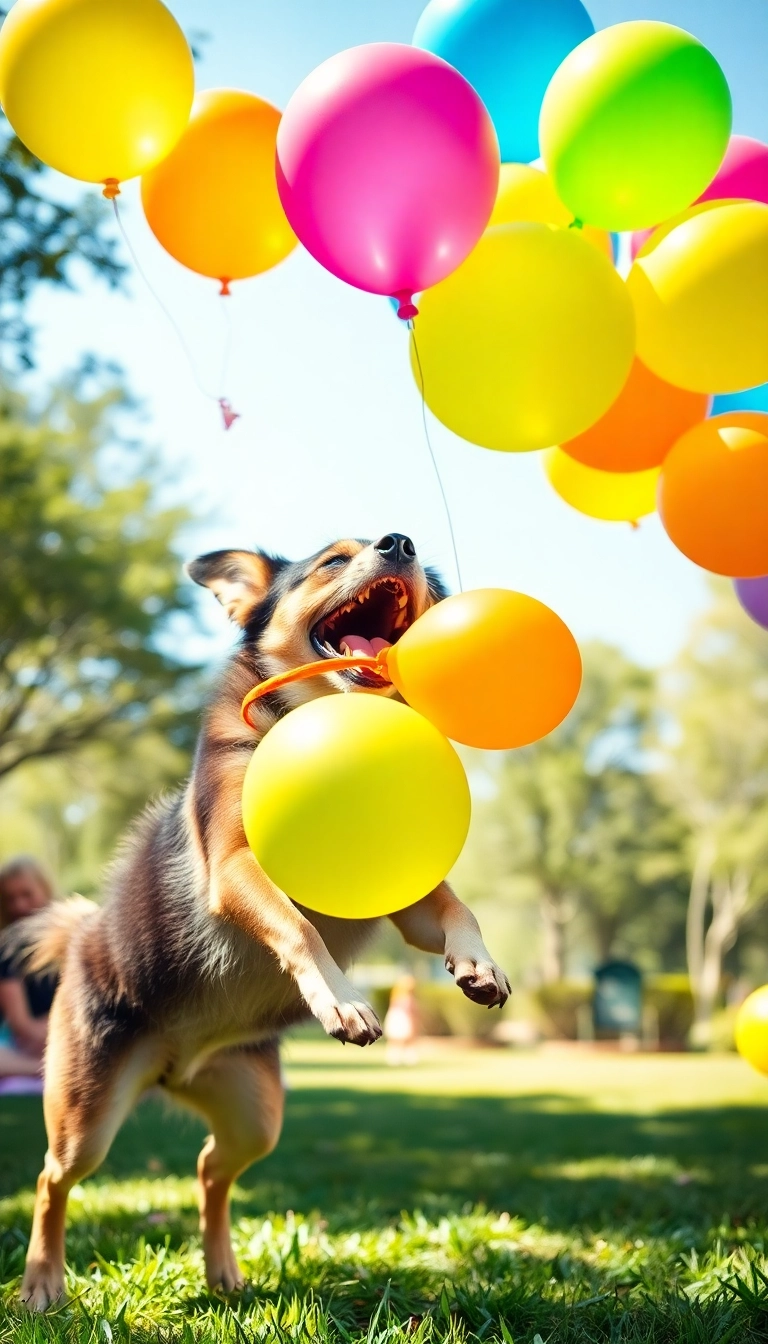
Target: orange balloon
213	202
490	668
713	494
639	429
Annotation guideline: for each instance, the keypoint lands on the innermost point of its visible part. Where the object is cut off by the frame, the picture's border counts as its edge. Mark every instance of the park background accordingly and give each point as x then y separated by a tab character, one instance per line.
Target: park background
638	830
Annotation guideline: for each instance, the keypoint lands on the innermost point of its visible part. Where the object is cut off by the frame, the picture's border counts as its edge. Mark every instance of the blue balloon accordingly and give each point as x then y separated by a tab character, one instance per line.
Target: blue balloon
508	50
754	399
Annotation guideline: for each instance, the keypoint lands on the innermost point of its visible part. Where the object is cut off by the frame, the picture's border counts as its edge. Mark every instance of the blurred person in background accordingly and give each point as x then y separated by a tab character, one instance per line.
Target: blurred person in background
401	1024
25	1000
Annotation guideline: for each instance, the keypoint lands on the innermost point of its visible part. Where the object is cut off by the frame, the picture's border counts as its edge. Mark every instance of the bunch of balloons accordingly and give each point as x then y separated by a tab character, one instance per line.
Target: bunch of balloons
645	392
356	805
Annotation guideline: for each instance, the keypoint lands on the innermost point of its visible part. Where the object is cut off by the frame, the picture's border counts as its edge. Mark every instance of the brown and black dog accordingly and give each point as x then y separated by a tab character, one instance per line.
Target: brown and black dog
195	962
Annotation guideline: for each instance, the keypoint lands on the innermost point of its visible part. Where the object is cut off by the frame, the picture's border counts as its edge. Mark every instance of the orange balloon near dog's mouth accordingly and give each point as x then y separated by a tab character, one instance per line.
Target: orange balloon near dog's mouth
490	668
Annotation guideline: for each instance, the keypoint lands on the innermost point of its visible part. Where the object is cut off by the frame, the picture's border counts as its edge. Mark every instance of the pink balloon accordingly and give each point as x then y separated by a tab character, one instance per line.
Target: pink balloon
387	168
742	176
637	239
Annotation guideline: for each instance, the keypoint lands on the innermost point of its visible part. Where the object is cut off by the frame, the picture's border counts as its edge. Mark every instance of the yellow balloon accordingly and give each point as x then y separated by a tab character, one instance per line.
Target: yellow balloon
752	1030
528	342
700	289
614	496
355	805
99	89
526	193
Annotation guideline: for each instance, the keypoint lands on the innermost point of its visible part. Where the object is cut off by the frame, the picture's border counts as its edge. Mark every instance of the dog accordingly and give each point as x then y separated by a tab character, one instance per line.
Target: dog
186	975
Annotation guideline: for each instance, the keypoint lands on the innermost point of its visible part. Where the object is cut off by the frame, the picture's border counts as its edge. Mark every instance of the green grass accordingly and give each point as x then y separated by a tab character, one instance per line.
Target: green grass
480	1195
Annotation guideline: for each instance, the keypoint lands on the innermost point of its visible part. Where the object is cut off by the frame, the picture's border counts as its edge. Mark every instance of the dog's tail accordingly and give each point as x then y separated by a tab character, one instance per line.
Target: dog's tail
39	942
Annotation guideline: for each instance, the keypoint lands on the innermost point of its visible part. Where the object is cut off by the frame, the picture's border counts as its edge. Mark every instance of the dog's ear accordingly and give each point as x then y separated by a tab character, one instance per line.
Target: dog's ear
239	579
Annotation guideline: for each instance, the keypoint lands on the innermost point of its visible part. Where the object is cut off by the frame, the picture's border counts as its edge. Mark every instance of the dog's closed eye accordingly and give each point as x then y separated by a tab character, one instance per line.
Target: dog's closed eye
334	560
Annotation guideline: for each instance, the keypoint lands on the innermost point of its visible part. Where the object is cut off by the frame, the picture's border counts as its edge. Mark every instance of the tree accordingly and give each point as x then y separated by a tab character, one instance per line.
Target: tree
91	579
97	711
40	238
579	816
717	697
68	810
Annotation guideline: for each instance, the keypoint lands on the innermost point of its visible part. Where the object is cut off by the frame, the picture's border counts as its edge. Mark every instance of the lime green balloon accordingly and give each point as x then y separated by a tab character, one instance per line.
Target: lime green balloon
634	124
355	805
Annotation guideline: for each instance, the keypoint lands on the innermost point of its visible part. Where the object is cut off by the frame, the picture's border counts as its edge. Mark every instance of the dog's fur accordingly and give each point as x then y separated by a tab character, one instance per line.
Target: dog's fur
196	961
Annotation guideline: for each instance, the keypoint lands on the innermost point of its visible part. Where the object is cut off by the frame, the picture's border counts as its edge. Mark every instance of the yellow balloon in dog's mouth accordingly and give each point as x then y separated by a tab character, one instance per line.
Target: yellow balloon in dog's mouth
355	805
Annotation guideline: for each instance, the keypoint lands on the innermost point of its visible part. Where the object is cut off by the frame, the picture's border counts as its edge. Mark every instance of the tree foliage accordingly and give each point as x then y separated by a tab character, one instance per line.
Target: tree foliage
97	710
717	700
40	239
90	578
580	816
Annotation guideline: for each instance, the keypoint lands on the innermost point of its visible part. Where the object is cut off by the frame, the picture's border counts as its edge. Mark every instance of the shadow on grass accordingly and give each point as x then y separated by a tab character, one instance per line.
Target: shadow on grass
687	1178
348	1154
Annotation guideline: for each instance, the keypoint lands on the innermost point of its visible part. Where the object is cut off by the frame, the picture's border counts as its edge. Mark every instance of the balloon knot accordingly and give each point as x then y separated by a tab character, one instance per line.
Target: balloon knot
225	290
576	224
634	524
406	308
111	188
227	414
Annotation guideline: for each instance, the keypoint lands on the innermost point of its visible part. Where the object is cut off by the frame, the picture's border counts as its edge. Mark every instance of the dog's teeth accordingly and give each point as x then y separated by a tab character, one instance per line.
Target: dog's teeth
403	600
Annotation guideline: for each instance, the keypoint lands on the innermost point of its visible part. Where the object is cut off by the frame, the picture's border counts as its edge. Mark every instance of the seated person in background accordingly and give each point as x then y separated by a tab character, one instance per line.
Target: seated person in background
25	1000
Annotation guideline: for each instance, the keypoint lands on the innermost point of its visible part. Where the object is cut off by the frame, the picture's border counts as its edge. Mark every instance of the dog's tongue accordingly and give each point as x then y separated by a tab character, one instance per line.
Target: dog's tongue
358	644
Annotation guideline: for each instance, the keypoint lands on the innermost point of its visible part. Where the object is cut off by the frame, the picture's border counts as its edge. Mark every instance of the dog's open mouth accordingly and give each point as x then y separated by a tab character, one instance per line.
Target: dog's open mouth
372	620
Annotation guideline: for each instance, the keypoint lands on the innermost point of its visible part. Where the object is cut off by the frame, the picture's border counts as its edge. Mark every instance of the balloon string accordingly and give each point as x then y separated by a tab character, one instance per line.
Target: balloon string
221	401
378	664
228	337
425	423
164	310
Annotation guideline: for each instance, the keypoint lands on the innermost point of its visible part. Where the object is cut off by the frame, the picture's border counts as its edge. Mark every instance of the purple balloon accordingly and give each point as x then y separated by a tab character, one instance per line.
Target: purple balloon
753	596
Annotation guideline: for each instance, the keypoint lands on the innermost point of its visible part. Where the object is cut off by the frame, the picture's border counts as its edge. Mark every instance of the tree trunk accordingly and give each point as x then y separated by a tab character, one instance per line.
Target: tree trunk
695	924
555	912
706	945
605	936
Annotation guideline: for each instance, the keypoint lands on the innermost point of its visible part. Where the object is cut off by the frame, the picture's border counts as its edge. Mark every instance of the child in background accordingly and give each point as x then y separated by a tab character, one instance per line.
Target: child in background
25	1000
401	1024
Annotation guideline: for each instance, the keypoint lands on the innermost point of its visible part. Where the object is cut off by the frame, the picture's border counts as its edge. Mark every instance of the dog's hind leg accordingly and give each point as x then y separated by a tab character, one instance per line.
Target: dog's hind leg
87	1096
240	1094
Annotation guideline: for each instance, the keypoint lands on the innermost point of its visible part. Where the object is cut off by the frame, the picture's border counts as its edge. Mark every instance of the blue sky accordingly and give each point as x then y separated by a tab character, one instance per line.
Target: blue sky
330	442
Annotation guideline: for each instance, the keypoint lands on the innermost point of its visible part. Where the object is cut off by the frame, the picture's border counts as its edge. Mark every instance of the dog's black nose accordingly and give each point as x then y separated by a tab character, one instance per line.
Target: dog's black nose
396	548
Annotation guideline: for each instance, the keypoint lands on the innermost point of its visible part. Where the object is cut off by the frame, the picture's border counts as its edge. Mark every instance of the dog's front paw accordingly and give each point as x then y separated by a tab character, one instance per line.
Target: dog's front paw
354	1021
349	1020
41	1286
337	1007
481	981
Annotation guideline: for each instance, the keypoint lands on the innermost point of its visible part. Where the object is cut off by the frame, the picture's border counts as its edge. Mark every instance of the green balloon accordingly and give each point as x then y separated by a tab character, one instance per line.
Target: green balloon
634	125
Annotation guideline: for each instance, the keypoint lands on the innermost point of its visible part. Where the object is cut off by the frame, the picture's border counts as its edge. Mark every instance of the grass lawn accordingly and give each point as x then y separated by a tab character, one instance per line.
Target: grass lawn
495	1195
